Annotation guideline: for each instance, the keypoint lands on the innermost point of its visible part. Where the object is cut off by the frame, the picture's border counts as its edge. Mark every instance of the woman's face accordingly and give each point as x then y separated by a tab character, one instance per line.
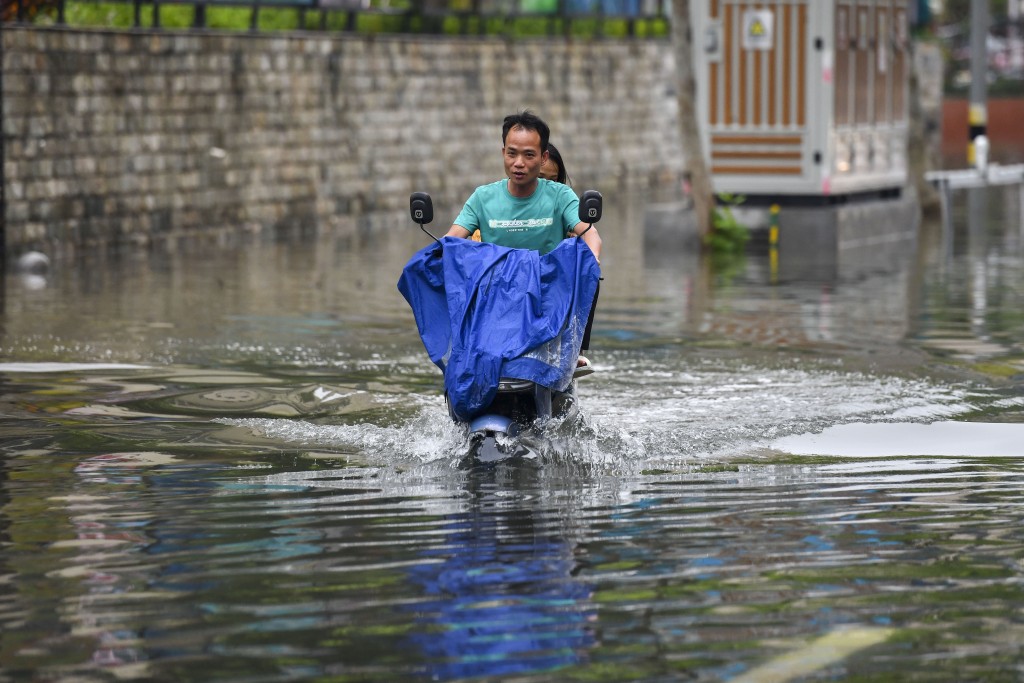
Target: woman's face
549	169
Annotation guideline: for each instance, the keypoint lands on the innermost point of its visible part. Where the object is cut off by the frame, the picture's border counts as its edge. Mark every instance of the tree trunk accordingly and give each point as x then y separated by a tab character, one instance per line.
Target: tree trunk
686	89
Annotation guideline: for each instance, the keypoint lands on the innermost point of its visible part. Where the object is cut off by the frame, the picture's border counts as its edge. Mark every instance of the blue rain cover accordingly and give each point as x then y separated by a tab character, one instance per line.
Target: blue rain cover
486	312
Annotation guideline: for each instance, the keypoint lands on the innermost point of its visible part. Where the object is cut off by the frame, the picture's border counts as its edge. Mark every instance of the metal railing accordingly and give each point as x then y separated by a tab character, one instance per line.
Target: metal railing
633	18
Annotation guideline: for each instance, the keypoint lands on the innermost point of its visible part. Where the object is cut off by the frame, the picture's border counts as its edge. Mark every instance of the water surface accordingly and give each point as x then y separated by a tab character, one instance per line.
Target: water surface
234	464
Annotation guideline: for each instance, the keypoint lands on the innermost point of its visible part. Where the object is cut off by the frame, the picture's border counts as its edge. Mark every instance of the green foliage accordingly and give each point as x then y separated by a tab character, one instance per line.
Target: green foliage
278	19
122	15
728	235
380	18
229	18
727	239
98	14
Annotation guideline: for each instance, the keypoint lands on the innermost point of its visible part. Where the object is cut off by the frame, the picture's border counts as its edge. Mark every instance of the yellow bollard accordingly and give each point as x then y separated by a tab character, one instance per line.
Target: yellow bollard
977	122
773	243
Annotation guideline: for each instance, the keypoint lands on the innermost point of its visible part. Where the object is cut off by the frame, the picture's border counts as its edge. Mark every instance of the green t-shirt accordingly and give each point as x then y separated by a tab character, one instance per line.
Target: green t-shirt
538	222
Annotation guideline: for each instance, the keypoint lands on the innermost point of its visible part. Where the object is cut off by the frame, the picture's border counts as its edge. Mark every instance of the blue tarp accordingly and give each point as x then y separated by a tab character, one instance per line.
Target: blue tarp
485	312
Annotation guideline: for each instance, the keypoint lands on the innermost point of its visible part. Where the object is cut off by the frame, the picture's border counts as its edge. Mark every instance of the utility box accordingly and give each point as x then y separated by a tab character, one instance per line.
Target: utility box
803	97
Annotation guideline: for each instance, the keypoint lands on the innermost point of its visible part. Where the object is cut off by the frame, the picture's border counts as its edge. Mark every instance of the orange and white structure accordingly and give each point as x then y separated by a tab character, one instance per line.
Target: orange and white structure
803	97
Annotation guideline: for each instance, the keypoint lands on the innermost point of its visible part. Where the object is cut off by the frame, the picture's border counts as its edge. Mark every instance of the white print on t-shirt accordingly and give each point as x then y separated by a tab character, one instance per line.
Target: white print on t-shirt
520	223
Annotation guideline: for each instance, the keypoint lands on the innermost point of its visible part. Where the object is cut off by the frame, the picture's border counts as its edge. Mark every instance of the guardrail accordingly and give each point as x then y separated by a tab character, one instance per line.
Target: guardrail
634	18
969	178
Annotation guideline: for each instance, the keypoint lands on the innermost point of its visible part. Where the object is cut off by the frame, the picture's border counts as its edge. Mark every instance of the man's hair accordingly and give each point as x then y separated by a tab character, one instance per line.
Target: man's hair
526	120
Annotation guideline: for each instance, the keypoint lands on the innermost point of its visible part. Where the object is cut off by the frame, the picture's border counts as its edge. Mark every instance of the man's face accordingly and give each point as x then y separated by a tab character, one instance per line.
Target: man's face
523	159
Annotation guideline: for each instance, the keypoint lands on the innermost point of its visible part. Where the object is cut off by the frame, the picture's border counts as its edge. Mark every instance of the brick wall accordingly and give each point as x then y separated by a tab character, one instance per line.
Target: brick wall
131	137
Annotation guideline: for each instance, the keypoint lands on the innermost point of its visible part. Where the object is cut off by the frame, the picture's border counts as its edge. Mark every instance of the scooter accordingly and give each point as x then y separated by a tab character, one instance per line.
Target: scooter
519	406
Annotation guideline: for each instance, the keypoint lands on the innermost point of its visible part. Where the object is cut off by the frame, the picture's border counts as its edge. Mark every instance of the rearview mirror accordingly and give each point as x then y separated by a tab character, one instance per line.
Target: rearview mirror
421	208
590	207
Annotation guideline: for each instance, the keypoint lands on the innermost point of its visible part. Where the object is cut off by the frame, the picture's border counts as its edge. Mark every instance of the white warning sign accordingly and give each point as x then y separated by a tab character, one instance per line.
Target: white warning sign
757	29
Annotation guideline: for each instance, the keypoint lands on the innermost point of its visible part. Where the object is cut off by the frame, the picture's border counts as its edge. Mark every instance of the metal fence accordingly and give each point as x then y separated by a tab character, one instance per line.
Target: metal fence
634	18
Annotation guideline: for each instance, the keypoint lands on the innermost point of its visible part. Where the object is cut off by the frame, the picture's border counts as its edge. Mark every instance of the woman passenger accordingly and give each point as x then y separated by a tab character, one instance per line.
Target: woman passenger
553	168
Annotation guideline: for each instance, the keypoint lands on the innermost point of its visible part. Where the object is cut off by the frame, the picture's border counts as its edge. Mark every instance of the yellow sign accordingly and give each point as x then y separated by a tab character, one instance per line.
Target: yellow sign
757	29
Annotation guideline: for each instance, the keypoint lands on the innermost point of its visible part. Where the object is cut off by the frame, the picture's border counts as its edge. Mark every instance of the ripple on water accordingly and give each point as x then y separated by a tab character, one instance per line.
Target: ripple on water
639	414
716	409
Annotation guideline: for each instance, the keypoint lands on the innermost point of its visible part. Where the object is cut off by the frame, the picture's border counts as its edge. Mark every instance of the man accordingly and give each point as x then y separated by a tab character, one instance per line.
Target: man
524	211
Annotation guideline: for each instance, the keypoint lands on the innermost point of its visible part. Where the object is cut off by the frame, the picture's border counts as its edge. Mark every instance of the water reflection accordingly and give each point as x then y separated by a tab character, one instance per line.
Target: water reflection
971	286
250	301
113	522
174	570
323	302
503	595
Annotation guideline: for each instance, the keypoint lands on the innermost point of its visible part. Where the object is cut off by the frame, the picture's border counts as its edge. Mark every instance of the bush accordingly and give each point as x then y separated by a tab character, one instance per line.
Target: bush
728	235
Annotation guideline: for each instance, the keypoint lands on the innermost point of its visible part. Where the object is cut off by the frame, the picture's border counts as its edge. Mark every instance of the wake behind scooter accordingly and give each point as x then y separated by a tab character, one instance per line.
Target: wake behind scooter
518	405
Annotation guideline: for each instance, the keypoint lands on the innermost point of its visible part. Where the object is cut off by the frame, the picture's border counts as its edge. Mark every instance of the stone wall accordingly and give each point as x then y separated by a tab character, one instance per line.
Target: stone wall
130	137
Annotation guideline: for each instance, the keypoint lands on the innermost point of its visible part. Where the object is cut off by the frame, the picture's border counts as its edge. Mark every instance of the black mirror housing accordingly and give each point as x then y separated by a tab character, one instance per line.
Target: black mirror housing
421	208
590	207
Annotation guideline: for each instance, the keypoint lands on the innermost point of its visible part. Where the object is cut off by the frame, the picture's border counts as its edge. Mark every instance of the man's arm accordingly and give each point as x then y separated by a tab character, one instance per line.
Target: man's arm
458	231
591	237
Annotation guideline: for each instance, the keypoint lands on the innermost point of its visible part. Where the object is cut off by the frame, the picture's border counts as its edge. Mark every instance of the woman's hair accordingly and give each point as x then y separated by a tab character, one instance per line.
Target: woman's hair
556	156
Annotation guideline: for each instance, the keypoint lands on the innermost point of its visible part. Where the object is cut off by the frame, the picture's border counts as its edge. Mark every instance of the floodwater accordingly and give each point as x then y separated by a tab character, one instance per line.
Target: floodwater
234	464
